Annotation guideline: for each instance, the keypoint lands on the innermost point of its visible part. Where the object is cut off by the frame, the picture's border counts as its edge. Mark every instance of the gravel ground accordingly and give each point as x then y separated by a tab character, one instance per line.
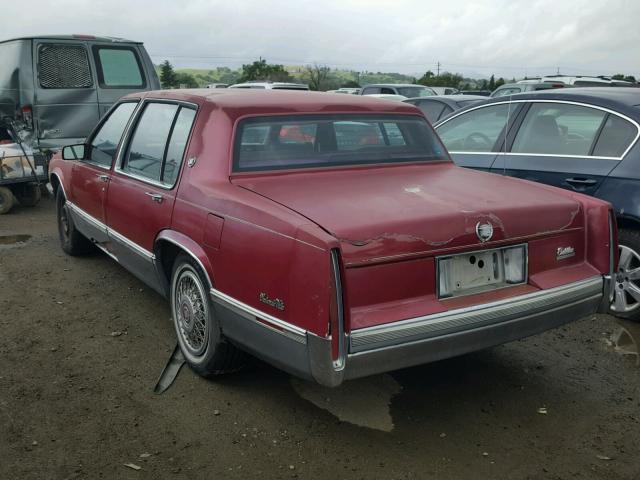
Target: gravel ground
83	342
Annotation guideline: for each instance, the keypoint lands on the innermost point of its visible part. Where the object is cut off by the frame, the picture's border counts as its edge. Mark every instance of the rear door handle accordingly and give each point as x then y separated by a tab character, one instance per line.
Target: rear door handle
582	182
102	177
156	197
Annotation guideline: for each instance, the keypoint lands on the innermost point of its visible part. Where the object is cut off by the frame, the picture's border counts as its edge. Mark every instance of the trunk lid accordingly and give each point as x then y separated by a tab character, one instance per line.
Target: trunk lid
395	212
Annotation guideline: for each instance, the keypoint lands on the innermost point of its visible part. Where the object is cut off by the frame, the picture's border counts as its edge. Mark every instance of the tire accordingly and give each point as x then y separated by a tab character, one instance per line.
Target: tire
626	303
71	240
29	195
6	200
204	348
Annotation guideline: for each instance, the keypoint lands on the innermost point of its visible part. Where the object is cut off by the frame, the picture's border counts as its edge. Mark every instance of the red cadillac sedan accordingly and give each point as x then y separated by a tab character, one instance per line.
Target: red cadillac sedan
330	235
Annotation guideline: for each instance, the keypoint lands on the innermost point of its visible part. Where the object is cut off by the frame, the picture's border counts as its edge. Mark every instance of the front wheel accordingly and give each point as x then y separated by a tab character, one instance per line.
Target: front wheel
197	328
6	200
626	303
71	240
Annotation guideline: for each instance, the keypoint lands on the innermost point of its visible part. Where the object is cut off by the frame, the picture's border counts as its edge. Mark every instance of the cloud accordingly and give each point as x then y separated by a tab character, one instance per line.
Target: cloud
508	38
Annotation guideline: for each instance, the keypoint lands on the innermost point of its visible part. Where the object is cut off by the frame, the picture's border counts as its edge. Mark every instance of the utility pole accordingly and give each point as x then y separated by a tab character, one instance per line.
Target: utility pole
438	69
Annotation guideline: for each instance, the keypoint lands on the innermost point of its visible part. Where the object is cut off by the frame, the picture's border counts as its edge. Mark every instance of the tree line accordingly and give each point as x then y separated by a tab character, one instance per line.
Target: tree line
322	77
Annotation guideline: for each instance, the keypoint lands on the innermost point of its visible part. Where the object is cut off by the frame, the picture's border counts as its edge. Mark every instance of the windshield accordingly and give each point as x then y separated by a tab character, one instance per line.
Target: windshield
275	143
411	92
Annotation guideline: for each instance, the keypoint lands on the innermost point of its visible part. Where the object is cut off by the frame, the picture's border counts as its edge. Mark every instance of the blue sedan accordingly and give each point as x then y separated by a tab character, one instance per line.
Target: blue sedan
581	139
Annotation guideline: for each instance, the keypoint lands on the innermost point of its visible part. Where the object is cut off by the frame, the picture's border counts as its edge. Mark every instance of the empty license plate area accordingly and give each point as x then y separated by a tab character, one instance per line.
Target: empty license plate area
483	270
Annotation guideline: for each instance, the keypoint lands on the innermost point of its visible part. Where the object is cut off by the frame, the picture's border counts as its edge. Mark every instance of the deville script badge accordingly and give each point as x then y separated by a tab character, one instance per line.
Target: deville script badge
275	303
564	252
484	231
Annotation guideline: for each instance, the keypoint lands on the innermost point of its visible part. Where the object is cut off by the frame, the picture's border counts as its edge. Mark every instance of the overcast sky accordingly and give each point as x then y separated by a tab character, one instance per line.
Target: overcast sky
476	37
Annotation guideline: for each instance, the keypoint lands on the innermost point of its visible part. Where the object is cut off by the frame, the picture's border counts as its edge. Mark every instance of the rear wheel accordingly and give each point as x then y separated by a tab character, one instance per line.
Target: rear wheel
71	240
197	328
626	303
6	200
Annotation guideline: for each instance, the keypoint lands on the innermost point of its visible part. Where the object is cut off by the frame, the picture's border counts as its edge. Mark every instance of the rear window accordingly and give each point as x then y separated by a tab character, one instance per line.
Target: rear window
118	67
274	143
63	66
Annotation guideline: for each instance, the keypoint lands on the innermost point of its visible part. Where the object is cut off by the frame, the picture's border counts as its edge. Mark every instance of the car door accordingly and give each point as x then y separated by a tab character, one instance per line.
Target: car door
567	145
475	137
142	189
90	176
66	106
119	71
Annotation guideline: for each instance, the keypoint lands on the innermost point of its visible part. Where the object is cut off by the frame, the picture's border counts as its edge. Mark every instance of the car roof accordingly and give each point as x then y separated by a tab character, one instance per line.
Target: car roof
240	102
72	37
625	100
394	85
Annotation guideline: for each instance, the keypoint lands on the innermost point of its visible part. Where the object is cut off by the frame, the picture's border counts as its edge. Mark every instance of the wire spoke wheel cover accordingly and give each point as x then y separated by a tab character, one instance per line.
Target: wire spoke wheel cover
191	312
627	278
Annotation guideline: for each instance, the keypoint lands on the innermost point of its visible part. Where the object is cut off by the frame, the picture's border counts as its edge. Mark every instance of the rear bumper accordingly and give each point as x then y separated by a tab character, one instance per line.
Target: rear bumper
410	342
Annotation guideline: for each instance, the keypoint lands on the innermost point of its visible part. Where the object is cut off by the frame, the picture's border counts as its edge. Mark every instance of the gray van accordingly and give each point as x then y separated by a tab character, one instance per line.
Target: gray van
57	87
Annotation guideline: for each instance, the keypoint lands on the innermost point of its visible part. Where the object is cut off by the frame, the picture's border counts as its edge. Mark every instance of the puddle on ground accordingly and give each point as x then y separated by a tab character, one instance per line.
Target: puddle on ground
625	340
364	402
10	240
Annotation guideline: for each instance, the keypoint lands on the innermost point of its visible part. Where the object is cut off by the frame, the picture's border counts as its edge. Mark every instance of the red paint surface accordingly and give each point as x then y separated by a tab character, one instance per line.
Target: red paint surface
389	222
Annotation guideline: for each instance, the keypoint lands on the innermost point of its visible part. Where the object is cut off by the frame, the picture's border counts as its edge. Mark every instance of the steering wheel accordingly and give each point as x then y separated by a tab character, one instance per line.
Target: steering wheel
476	139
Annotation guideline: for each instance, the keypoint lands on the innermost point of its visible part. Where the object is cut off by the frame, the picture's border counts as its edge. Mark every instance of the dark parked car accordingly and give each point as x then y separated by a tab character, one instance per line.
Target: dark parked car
515	88
435	108
330	235
581	139
406	90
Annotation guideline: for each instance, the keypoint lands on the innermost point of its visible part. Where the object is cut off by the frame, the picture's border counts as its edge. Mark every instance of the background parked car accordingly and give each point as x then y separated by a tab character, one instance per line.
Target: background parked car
482	93
445	90
59	86
408	90
514	88
581	139
435	108
271	86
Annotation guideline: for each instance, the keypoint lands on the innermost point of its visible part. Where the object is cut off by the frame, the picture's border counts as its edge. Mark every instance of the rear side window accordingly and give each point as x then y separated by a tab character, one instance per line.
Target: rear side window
272	143
475	130
558	129
157	147
371	90
146	149
105	142
64	66
616	136
431	110
177	145
118	67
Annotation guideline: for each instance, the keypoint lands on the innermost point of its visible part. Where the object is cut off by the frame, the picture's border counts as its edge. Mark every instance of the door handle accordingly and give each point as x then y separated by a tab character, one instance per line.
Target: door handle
156	197
102	177
582	182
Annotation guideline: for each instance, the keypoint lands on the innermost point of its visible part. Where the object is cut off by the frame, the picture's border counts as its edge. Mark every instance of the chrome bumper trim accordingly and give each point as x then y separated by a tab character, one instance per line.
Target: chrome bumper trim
453	321
248	312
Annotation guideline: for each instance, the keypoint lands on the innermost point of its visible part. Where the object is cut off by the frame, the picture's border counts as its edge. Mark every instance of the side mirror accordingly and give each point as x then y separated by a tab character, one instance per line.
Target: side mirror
73	152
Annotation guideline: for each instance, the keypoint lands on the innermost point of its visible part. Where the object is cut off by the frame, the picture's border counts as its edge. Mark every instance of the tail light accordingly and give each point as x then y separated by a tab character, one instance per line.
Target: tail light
336	314
27	116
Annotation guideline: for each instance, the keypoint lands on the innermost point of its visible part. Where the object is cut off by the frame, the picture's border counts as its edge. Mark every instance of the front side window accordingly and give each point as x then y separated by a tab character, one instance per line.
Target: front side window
63	66
476	130
105	142
371	90
147	146
273	143
558	129
118	67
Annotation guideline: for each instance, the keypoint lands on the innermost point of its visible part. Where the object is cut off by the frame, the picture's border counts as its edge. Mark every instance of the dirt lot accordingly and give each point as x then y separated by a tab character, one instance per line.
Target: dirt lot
82	344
